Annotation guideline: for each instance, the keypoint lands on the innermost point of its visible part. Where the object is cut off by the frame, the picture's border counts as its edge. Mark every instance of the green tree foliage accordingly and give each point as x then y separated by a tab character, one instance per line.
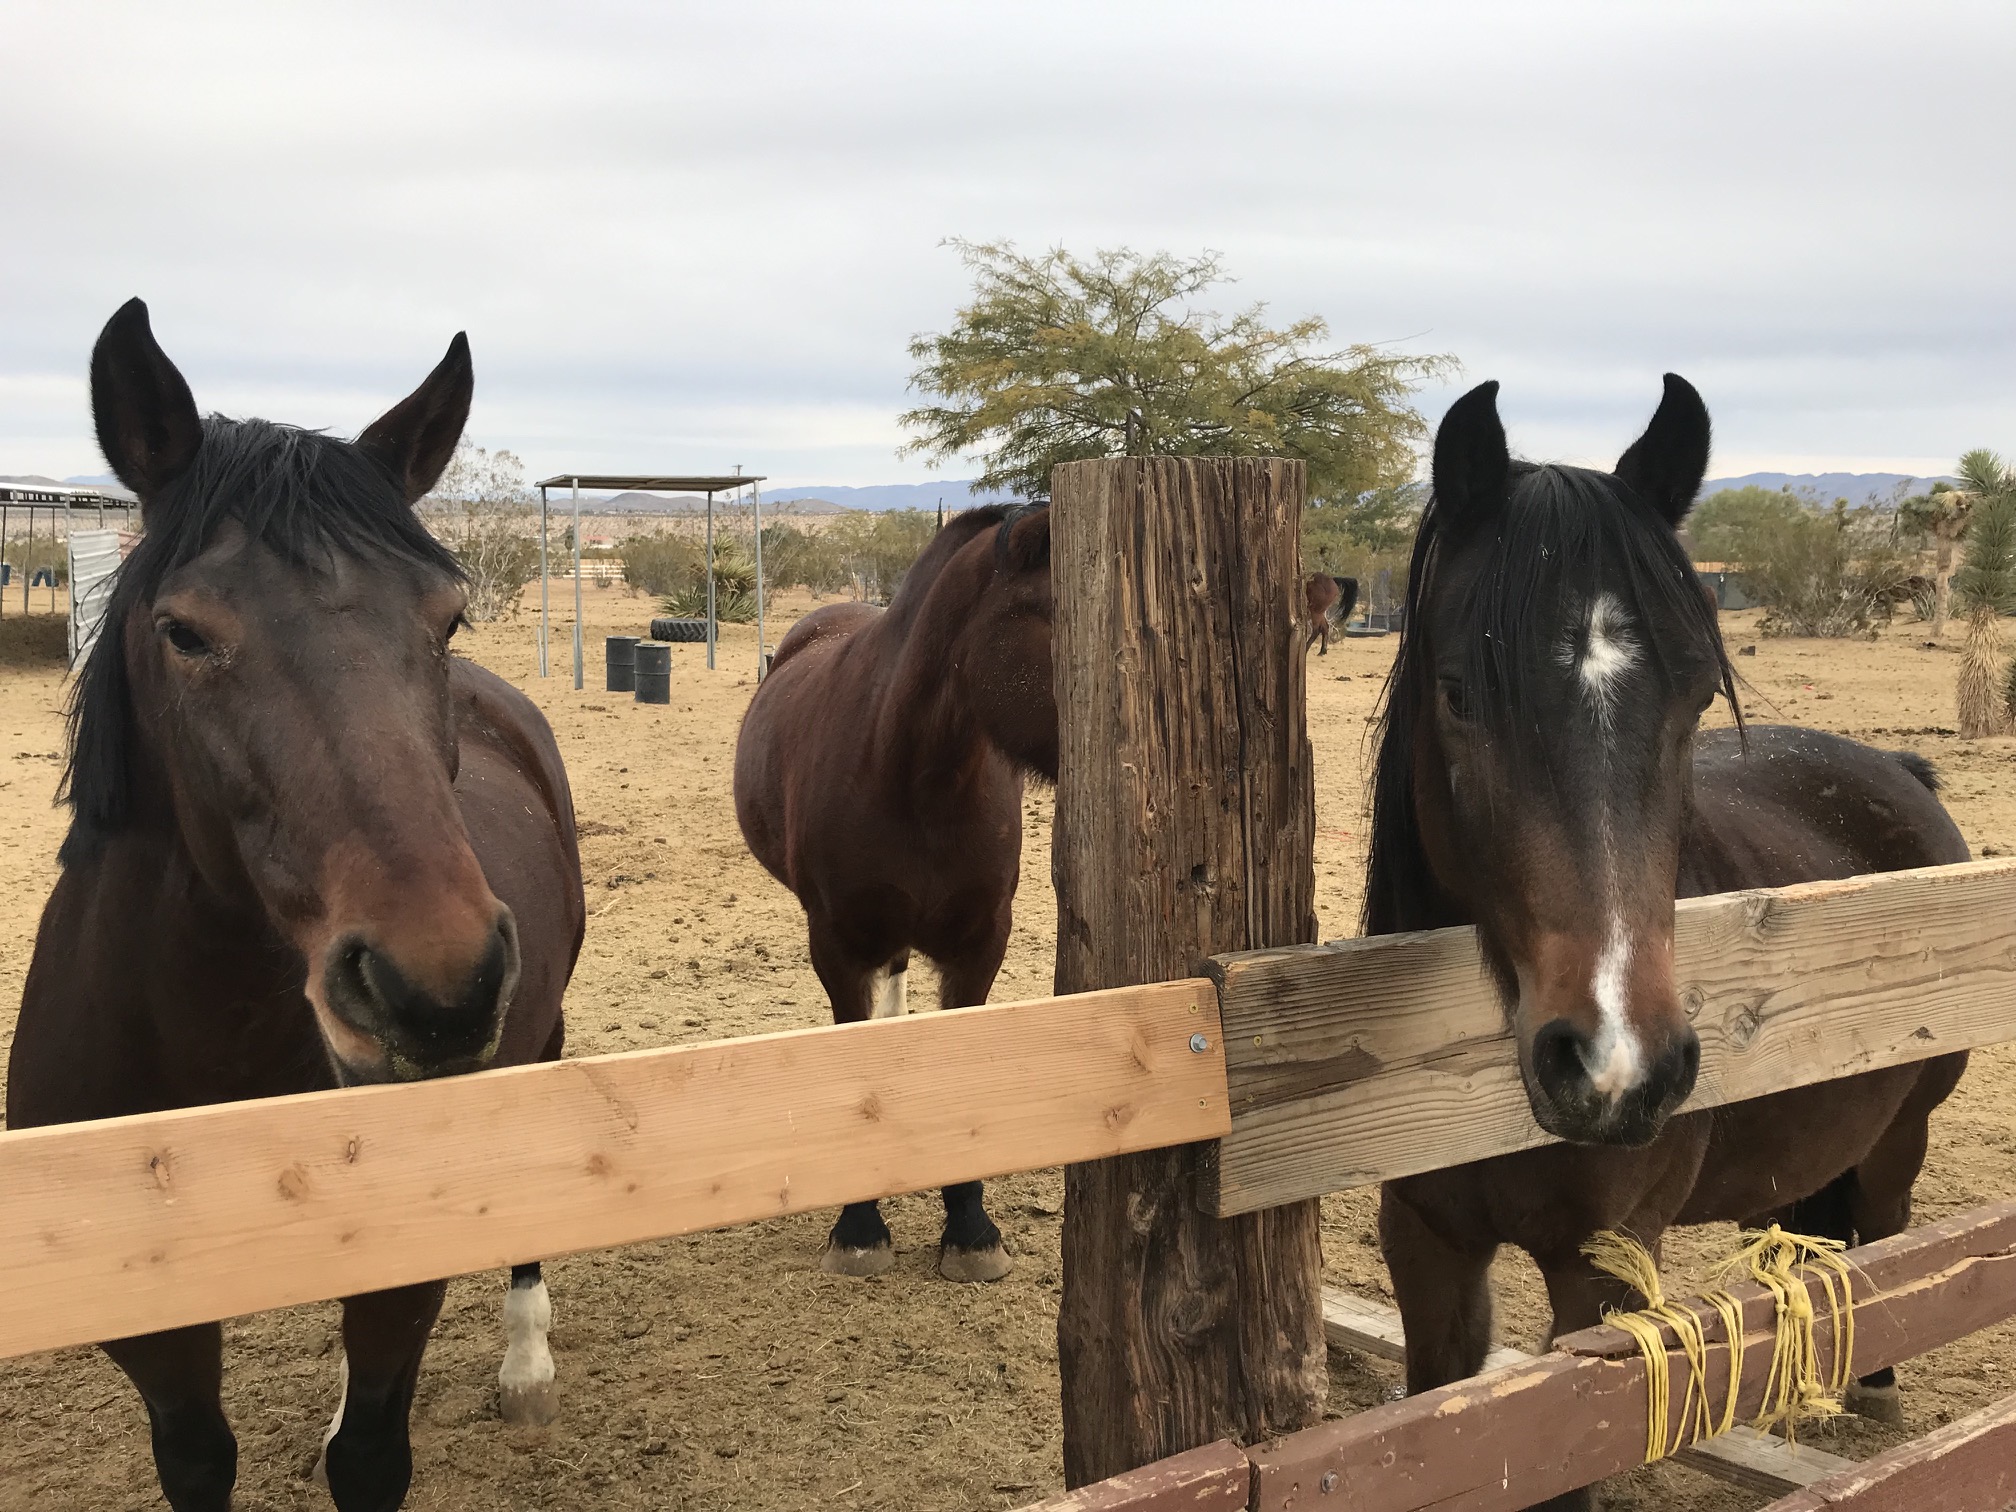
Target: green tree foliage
1059	358
1356	537
1727	526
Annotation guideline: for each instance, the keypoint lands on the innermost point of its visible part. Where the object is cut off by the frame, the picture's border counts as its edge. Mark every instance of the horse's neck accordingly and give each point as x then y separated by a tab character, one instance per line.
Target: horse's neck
926	723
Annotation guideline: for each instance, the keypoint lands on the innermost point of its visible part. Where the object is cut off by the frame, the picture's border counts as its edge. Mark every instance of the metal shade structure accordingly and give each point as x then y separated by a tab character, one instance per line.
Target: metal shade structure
709	485
62	502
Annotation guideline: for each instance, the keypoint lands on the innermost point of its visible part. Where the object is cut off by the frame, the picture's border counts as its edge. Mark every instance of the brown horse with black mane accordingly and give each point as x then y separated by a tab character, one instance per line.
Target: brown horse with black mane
308	848
879	776
1541	776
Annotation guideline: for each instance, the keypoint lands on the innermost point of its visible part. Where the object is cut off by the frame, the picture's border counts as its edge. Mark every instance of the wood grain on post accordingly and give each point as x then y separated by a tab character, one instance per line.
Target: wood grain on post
1185	828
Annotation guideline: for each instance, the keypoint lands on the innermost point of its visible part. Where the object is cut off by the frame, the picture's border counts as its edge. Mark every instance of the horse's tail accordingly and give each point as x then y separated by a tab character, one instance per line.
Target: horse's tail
1920	768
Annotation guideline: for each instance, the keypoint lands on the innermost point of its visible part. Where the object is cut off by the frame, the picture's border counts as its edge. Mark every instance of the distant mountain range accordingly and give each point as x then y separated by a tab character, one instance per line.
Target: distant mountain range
831	498
1856	488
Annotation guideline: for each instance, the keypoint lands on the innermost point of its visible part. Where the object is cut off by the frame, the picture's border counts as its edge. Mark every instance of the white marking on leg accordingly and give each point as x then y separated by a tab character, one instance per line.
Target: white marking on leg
889	993
528	1363
1613	1060
336	1423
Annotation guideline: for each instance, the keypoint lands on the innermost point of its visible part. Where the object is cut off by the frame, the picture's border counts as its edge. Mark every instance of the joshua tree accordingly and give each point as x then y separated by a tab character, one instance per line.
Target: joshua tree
1985	590
1942	514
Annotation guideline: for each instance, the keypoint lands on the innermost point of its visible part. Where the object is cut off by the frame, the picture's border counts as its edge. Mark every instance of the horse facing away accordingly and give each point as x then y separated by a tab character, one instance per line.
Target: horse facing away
1328	602
308	848
1540	776
878	775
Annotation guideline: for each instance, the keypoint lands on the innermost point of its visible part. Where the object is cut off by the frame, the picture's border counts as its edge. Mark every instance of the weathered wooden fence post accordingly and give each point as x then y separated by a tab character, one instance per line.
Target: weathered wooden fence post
1185	827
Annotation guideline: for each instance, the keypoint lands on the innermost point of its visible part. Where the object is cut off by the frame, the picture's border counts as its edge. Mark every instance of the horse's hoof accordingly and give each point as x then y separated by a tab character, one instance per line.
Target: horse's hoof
989	1264
320	1474
845	1260
532	1405
1879	1404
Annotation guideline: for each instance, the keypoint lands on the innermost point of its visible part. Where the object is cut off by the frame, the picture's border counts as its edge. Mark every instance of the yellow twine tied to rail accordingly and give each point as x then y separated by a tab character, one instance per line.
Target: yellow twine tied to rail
1793	1389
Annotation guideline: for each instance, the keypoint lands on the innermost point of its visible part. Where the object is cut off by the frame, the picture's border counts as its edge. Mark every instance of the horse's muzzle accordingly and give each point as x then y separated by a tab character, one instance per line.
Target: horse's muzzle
1567	1102
422	1031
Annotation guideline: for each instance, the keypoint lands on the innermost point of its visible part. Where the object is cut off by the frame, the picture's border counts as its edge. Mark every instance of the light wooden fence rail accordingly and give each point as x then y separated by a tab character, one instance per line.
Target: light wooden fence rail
1369	1059
132	1224
1348	1064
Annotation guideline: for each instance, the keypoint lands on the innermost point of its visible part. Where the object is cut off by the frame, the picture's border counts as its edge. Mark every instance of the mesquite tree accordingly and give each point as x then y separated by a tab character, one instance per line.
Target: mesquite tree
1065	359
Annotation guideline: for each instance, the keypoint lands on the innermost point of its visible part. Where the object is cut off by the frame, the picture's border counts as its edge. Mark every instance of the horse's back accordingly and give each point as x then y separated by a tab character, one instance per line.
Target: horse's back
519	811
1786	804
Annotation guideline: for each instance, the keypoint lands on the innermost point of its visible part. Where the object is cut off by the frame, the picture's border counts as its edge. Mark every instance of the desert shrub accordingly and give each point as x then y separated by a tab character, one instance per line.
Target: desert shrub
793	555
874	551
483	511
1831	572
662	563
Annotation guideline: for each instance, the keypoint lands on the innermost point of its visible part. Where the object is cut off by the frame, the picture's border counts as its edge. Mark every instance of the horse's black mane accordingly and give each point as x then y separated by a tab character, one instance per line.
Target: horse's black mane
305	496
1561	527
958	531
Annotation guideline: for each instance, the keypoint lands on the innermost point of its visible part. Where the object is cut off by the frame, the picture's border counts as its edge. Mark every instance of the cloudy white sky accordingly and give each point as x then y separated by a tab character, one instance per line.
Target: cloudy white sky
689	236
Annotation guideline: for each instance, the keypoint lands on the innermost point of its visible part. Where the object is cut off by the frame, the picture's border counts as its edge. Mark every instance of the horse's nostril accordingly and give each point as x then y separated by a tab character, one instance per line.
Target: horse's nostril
1557	1057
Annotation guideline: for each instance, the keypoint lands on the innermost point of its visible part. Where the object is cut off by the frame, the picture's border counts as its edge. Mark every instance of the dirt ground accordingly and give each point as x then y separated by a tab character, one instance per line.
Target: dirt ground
724	1370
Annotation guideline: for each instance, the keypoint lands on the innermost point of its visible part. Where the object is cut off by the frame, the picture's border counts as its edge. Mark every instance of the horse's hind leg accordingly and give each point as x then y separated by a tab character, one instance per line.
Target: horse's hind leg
1878	1192
859	1244
180	1375
368	1459
525	1394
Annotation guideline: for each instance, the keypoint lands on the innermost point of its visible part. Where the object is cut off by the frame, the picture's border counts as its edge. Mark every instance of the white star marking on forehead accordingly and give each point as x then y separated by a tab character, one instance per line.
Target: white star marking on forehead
1609	652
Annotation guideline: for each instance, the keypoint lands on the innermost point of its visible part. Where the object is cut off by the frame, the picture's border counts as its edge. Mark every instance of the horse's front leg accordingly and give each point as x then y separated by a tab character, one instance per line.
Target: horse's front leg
367	1458
525	1394
180	1374
860	1242
970	1247
1443	1289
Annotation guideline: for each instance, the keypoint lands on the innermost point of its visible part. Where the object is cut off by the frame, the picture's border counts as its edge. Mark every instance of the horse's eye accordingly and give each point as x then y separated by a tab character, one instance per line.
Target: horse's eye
184	639
1456	694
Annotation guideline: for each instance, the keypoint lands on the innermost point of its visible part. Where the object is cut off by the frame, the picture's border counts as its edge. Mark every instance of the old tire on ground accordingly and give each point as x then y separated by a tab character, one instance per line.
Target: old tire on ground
679	631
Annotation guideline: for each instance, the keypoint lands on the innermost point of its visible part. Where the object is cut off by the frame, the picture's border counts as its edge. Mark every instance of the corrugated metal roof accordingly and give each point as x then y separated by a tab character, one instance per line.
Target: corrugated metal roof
652	482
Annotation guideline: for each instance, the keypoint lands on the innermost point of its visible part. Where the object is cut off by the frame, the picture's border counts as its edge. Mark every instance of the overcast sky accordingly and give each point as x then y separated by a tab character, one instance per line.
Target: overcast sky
685	236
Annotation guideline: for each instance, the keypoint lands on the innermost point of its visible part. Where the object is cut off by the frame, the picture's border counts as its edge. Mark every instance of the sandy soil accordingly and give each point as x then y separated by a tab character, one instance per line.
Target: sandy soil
723	1370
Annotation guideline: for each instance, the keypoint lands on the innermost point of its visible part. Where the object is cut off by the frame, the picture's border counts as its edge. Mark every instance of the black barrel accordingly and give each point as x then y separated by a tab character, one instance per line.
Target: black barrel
654	673
619	656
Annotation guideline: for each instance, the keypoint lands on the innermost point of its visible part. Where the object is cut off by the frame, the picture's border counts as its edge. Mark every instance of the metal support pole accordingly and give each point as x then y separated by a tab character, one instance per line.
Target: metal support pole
710	580
577	585
28	561
756	499
542	581
3	552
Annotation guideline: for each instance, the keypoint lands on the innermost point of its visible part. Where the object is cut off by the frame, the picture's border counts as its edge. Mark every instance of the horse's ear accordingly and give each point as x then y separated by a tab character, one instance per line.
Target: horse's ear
416	437
1472	464
1665	466
146	417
